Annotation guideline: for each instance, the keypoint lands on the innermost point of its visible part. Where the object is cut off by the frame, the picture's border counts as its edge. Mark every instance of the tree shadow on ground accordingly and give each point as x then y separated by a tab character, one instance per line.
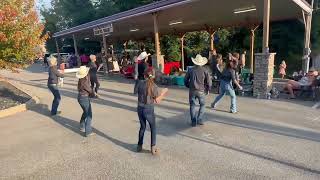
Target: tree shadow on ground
255	154
175	124
178	124
74	126
37	68
10	92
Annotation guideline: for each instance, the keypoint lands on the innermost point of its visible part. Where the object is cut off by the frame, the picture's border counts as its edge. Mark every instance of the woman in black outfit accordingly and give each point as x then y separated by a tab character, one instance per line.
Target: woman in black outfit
54	74
93	74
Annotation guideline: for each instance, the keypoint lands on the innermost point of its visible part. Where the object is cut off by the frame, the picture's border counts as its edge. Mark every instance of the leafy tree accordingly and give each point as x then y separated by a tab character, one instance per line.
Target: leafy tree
315	35
20	33
197	43
287	41
74	12
171	47
51	20
105	8
126	5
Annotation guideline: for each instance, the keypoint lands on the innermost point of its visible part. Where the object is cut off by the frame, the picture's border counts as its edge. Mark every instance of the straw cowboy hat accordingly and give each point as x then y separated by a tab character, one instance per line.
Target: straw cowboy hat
142	56
199	60
83	71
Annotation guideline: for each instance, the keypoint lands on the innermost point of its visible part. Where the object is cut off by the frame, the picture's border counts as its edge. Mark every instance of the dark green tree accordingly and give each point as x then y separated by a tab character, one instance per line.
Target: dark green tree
171	48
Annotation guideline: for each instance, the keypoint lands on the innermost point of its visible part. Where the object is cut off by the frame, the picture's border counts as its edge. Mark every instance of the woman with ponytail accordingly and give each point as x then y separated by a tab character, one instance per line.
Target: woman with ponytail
148	95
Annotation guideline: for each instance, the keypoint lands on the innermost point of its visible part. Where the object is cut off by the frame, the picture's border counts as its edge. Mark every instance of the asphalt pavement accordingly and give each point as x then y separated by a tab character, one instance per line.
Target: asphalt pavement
267	139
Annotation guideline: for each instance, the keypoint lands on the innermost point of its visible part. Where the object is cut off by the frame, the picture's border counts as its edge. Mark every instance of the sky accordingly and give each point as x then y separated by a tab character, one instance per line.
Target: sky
40	3
46	3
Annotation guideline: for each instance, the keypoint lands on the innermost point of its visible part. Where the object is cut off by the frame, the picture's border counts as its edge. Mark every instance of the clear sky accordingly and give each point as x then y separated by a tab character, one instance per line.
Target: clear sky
40	3
46	3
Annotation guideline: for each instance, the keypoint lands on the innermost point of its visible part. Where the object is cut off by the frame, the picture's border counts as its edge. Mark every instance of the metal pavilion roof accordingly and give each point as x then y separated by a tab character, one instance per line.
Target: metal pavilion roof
193	15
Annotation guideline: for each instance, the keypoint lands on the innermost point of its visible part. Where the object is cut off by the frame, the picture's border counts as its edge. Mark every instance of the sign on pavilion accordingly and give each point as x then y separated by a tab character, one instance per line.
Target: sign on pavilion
106	29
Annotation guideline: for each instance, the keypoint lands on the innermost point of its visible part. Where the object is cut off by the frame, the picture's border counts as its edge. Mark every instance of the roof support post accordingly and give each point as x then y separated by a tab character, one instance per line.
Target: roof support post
104	41
252	38
182	51
75	45
76	49
266	24
307	51
212	50
212	33
159	60
58	50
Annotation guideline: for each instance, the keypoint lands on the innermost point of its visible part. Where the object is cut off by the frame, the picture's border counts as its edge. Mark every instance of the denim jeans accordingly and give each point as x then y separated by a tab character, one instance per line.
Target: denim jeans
135	90
94	81
86	117
226	87
145	114
56	100
193	97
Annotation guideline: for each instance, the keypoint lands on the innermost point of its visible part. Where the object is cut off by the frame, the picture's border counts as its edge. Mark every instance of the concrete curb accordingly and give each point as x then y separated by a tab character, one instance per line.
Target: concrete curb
22	107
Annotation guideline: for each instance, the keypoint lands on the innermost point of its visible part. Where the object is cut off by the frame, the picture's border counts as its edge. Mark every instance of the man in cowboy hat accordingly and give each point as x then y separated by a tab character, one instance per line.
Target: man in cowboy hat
199	82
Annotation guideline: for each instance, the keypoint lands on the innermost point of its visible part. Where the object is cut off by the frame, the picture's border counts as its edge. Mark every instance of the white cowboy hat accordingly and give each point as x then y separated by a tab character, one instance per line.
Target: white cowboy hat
142	56
83	71
199	60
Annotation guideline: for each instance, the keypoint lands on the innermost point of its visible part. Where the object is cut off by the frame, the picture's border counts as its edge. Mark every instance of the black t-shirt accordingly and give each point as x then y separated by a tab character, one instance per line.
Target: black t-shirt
93	69
142	67
228	75
143	99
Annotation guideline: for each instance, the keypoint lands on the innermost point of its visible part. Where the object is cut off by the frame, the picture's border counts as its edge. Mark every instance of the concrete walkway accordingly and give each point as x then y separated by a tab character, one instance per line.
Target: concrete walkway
266	140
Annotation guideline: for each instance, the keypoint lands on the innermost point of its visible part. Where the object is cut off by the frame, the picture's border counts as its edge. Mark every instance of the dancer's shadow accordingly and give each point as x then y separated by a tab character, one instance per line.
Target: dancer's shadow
74	126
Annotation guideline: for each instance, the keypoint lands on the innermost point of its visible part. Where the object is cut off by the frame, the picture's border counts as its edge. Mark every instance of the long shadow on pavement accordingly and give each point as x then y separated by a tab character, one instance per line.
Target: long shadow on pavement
74	126
283	162
176	125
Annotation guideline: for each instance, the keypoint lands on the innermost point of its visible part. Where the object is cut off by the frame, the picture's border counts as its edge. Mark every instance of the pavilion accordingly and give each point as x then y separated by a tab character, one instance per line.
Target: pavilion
181	16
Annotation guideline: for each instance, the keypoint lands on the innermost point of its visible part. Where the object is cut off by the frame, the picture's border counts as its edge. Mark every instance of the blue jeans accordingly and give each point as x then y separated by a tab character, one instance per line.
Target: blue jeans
145	114
86	117
193	97
56	100
135	89
226	87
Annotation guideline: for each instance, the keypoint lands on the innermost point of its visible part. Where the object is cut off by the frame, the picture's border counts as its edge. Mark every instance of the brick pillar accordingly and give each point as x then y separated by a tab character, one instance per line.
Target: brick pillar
263	76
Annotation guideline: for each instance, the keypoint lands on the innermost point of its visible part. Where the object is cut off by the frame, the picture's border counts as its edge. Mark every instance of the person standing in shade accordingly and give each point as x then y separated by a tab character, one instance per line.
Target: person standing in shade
93	74
228	77
148	95
242	61
54	75
141	68
217	66
85	92
84	59
199	82
142	65
136	63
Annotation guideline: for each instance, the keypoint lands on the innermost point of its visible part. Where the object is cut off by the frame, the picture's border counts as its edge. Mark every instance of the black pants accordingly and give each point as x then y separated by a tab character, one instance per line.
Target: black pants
147	114
94	83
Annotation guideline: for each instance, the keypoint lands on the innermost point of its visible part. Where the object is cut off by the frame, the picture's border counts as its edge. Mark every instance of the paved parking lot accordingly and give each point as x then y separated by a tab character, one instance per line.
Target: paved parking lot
268	139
